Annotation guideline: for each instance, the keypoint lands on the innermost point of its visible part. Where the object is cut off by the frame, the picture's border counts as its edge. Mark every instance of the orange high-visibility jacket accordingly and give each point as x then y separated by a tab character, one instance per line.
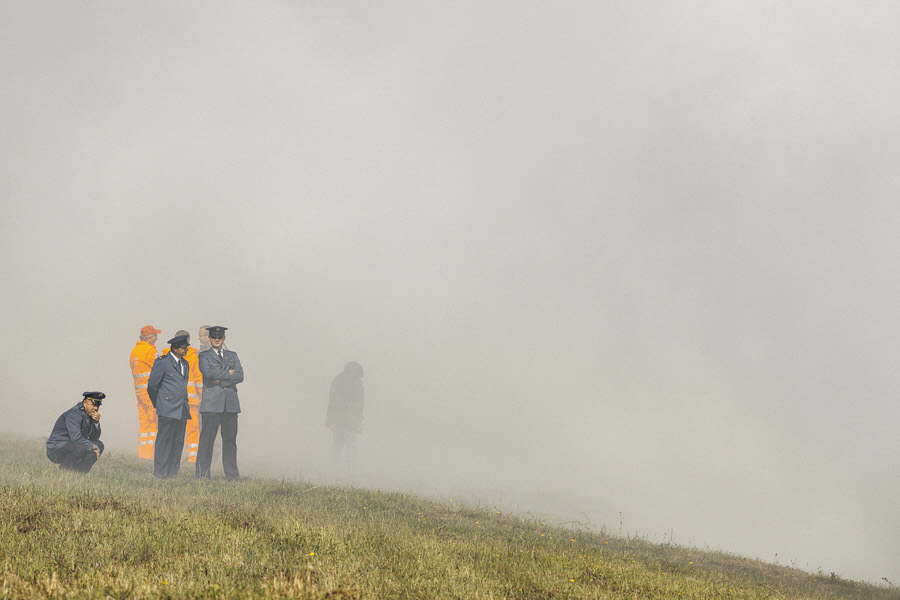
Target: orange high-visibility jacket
142	357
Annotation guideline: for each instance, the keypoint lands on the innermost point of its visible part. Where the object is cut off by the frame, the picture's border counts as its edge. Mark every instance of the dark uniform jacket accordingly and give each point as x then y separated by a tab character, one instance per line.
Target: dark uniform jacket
219	385
167	388
74	426
345	402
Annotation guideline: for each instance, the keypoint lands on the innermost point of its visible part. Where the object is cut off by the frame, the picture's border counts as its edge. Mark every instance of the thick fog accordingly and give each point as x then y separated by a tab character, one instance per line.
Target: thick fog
628	264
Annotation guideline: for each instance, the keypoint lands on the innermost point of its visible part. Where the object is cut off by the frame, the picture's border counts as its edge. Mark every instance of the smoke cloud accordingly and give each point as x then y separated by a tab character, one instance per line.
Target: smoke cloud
633	265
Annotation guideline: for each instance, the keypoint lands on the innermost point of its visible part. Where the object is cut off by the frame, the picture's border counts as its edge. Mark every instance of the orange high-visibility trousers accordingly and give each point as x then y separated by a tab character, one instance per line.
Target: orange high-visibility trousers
195	393
146	426
192	434
142	357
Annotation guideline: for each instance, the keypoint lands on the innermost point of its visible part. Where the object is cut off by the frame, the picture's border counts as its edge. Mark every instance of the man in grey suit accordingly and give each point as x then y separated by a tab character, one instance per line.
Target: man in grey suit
167	388
219	406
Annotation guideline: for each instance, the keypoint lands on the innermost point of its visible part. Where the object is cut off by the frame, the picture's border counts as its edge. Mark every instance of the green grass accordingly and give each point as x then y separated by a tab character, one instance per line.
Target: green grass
120	533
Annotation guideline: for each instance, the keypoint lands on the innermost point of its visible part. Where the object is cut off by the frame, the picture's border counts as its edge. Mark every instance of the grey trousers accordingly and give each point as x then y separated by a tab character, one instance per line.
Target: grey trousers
210	423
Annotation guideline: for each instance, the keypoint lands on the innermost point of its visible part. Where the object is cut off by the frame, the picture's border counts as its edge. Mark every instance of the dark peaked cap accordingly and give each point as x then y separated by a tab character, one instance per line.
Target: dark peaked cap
216	331
179	340
95	396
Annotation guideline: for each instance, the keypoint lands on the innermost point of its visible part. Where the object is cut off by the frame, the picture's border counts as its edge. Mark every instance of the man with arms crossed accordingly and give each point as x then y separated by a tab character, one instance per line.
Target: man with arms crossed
219	406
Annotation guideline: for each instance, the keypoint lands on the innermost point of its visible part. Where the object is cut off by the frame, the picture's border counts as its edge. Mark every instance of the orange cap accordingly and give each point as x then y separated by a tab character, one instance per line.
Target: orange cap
149	329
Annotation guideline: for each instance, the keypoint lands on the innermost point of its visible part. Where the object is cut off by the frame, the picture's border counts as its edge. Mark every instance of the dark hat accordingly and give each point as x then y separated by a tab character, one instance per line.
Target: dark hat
178	341
354	368
217	332
94	397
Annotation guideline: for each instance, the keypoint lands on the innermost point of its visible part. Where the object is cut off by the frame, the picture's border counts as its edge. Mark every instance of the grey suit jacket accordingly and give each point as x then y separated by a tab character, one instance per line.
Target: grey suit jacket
167	388
219	385
74	426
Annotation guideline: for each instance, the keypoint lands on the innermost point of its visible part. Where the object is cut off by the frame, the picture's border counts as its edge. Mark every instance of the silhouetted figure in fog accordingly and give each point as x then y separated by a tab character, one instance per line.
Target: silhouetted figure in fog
74	444
219	407
345	413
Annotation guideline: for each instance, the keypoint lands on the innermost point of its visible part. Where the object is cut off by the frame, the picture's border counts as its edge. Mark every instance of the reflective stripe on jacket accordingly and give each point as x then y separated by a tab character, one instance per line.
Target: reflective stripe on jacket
143	355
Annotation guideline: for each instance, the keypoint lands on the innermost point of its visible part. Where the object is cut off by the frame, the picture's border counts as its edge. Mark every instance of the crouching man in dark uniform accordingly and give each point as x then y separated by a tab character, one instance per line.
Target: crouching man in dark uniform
74	444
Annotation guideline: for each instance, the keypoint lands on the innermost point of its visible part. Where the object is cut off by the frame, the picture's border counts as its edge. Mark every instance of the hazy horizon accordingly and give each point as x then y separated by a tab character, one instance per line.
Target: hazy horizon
634	262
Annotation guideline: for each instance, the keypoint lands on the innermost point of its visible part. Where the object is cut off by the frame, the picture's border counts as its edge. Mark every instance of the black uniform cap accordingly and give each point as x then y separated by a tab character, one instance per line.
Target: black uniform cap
94	397
178	341
217	332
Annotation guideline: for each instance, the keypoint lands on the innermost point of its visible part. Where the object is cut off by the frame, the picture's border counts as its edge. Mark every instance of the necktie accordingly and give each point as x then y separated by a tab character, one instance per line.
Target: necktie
219	352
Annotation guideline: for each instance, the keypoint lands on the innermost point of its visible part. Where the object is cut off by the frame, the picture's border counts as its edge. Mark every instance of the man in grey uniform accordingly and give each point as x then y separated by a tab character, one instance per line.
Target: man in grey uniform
74	444
167	388
219	406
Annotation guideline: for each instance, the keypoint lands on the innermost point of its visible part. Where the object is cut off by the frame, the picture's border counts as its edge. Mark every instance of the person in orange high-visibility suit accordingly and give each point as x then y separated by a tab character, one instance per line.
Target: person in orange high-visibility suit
195	391
142	358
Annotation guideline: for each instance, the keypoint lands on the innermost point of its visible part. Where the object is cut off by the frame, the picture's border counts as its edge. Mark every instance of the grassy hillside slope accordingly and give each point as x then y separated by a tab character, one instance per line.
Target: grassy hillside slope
120	533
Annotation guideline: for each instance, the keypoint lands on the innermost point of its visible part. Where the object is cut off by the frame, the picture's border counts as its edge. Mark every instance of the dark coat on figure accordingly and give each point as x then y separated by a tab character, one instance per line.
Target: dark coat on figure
167	388
219	384
75	426
345	402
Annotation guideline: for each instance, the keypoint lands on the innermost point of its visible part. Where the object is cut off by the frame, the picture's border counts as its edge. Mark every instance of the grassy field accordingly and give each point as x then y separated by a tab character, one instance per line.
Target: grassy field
120	533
